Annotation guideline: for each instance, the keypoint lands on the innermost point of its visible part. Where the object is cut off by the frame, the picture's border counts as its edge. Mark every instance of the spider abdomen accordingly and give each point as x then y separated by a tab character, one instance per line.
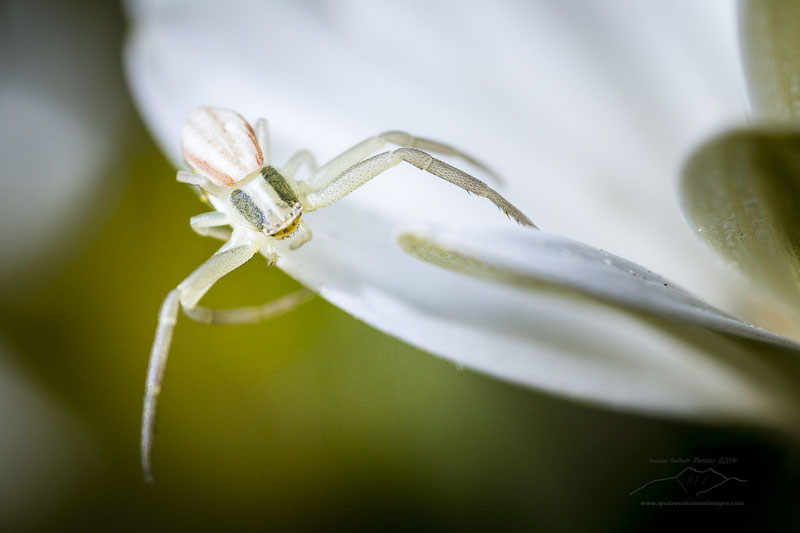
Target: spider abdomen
220	145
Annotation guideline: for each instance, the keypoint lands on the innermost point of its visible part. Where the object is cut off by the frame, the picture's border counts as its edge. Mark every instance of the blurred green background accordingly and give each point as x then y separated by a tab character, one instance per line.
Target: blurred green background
310	421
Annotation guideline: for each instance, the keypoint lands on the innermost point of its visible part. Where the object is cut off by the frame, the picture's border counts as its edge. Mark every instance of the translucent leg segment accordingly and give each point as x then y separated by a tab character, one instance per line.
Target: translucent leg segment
297	160
249	315
362	172
336	166
208	225
233	254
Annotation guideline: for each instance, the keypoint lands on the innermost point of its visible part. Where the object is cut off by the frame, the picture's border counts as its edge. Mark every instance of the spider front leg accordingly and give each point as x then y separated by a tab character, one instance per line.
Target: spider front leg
362	172
297	160
339	164
237	251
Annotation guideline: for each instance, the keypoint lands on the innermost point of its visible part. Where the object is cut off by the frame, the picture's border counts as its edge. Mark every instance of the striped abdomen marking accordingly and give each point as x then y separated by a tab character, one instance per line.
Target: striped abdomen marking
220	145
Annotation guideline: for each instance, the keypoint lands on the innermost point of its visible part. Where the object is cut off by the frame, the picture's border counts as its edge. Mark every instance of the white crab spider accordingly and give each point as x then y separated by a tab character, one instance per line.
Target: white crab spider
262	203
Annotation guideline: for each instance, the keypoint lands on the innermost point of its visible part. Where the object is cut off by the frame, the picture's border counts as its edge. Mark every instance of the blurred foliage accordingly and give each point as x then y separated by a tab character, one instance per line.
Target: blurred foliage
740	191
770	38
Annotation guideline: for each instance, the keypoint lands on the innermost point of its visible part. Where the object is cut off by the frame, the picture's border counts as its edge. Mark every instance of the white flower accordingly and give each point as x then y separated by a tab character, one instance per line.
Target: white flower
588	110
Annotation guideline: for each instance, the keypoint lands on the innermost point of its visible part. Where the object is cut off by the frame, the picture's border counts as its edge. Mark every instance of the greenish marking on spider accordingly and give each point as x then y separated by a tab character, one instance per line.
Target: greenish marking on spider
249	210
281	186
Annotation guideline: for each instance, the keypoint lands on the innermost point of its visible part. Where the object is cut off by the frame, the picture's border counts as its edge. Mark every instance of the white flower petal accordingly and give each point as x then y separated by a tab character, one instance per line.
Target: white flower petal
590	325
587	109
535	91
522	258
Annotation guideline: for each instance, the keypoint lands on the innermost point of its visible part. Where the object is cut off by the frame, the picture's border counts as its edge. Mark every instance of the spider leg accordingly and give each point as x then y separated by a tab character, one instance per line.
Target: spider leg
238	250
208	225
297	160
269	251
360	173
201	185
303	236
402	138
249	315
336	166
196	179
